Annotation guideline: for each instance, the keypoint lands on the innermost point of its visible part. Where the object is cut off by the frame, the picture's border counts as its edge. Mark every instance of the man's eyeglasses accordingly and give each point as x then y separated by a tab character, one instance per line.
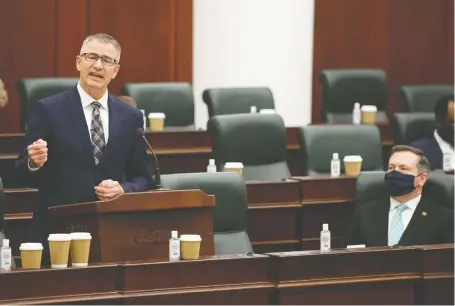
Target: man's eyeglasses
93	57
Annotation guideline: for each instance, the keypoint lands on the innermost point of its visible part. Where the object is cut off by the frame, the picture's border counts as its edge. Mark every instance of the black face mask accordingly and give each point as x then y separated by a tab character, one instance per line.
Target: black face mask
398	184
446	133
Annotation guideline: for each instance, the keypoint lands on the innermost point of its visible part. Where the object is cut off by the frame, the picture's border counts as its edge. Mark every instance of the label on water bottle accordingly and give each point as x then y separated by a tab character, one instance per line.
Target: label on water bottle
174	249
447	162
5	263
335	168
325	242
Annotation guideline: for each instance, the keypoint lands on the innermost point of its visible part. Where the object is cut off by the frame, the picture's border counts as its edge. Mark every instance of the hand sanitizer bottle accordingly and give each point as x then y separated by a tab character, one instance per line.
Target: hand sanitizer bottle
211	168
356	114
325	238
174	247
335	166
5	256
145	122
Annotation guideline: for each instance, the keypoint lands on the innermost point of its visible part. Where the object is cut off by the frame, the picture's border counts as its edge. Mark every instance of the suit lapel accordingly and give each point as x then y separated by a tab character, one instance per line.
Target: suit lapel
115	124
416	224
76	115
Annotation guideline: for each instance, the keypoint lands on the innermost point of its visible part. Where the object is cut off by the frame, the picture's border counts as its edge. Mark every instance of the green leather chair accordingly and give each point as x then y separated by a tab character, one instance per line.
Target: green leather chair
225	101
407	127
174	99
341	88
422	98
319	142
370	186
34	89
230	212
256	140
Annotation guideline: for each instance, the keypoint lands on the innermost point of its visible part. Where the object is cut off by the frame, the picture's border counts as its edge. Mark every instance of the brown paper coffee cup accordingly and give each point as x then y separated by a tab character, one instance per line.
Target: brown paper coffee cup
31	254
352	165
190	246
80	249
369	114
156	121
233	167
59	247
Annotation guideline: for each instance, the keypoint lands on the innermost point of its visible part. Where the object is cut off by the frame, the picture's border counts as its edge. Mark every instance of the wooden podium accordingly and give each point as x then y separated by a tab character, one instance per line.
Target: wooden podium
137	226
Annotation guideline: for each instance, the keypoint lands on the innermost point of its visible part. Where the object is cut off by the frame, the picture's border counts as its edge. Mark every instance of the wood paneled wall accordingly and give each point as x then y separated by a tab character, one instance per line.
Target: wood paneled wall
42	38
412	40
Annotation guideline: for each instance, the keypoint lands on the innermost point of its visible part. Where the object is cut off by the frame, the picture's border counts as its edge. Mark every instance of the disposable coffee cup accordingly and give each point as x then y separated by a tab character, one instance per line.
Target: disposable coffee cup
31	254
190	246
59	247
80	249
352	165
156	121
267	111
369	114
233	167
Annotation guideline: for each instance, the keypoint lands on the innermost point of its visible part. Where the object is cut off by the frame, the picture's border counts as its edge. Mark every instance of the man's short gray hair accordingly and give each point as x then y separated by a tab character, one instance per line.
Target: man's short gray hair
105	38
423	166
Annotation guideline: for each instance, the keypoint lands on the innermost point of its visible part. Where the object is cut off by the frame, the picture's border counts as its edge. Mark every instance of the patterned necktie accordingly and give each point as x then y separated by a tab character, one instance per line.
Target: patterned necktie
396	226
97	132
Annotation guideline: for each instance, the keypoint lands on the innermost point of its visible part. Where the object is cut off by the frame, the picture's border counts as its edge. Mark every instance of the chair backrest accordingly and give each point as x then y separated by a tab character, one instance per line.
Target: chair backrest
439	187
407	127
422	98
33	89
225	101
2	203
341	88
256	140
319	142
176	100
229	215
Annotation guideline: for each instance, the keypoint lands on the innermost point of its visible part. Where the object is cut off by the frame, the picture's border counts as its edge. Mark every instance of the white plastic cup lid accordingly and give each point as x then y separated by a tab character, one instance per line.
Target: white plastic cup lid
369	108
31	246
59	237
267	111
352	158
190	238
80	236
157	116
233	165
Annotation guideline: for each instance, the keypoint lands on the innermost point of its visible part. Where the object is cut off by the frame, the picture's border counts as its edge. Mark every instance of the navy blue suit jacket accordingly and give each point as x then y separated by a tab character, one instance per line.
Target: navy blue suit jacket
431	149
70	174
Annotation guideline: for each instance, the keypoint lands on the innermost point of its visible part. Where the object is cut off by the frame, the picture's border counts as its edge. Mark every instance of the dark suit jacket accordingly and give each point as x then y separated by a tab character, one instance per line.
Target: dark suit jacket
431	149
70	174
431	223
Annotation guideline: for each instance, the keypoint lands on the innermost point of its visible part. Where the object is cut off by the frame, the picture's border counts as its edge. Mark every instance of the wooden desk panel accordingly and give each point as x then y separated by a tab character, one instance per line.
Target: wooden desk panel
365	276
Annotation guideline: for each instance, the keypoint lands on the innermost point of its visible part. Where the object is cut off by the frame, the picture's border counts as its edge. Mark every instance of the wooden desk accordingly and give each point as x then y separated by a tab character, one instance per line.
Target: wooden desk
364	276
178	151
282	216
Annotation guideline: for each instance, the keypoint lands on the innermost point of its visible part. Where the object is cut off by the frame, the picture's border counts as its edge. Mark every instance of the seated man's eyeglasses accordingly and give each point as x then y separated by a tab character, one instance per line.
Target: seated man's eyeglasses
93	57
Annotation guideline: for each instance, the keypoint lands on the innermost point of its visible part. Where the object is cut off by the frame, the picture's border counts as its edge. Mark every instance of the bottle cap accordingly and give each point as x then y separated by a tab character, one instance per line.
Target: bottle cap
174	234
356	105
253	109
335	156
211	162
6	242
325	227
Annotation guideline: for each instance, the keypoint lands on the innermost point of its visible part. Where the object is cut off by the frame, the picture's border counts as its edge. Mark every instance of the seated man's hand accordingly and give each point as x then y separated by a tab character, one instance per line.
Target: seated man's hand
108	189
37	153
3	95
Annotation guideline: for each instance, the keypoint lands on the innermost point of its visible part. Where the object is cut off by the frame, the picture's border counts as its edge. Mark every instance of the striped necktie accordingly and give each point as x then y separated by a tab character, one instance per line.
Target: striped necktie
97	132
396	225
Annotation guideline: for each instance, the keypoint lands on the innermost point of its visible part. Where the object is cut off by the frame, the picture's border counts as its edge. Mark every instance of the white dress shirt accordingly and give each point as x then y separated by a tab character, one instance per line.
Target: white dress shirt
88	109
445	147
406	215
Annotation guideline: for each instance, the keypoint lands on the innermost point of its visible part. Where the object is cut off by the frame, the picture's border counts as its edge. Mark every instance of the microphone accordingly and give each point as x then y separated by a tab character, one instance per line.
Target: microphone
140	132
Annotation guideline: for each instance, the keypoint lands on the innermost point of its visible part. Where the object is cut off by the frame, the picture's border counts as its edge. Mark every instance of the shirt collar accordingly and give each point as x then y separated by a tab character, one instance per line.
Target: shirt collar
412	204
445	147
87	100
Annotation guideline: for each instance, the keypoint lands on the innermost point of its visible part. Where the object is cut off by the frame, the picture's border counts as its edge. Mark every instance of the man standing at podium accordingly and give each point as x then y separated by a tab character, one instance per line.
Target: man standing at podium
82	144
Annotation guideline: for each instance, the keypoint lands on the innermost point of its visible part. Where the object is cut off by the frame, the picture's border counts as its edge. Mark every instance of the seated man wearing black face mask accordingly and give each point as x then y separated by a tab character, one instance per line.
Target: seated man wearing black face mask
439	148
404	216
